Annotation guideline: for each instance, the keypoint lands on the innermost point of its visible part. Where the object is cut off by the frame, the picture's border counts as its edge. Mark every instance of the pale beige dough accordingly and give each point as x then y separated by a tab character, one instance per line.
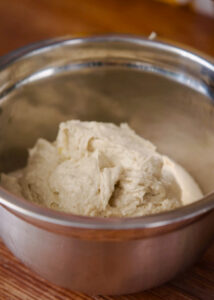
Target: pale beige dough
100	169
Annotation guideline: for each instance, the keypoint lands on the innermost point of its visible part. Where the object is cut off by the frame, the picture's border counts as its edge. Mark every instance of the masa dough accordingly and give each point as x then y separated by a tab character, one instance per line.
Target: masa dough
100	169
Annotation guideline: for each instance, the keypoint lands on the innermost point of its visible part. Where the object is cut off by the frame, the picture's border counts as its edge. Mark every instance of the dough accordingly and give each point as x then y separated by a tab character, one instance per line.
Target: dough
100	169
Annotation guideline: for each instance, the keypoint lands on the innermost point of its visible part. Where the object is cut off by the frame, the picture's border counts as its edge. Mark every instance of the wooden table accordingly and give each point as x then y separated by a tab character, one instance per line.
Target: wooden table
26	21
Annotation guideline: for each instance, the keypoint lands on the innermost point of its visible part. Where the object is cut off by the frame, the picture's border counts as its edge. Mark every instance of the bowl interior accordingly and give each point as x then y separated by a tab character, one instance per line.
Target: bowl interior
164	96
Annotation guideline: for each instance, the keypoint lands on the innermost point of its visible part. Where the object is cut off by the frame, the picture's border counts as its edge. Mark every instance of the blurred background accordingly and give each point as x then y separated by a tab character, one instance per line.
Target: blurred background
190	22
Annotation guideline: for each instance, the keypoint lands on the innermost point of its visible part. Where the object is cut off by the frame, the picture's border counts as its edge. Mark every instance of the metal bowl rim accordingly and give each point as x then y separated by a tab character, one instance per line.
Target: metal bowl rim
25	208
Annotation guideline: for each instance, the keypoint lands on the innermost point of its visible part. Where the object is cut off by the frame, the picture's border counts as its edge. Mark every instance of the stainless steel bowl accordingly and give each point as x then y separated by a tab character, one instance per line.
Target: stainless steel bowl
166	94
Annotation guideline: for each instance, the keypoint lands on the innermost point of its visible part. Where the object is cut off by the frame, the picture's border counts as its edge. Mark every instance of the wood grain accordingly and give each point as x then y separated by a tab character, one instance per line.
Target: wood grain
26	21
